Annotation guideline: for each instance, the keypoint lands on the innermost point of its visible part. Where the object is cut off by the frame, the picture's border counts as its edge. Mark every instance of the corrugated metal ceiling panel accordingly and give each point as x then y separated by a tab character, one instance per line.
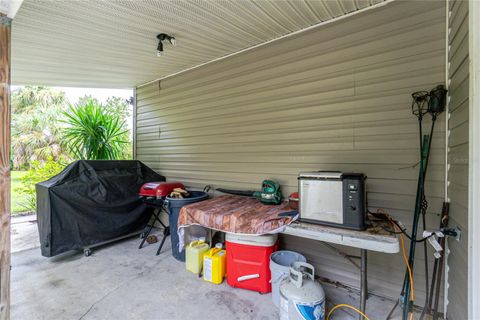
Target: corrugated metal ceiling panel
112	43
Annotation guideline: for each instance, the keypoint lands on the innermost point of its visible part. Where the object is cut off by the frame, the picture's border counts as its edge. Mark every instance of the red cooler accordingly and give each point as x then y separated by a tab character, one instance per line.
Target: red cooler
248	261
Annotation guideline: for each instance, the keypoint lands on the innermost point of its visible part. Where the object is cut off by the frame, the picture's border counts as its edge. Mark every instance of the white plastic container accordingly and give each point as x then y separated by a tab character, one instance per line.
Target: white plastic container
301	297
280	263
194	255
266	240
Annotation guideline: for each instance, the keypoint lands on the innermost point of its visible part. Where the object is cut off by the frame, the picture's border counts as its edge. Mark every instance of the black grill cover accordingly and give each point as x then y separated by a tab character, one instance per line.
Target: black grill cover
91	202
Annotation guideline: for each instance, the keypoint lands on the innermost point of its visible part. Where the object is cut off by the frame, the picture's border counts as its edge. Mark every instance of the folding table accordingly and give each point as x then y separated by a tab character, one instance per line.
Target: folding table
363	240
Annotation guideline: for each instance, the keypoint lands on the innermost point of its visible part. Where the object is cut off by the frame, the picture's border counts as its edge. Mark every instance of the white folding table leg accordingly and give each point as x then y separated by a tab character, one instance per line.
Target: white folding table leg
363	282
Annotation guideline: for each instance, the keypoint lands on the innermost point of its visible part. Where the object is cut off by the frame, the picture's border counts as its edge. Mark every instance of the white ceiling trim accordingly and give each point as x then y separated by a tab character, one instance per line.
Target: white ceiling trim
10	7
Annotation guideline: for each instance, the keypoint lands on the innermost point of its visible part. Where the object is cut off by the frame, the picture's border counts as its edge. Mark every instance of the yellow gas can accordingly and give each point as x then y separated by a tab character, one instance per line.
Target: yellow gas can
214	263
194	255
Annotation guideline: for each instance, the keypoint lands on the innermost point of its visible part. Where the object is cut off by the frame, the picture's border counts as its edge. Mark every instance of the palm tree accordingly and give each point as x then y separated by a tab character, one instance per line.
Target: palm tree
36	129
32	97
93	133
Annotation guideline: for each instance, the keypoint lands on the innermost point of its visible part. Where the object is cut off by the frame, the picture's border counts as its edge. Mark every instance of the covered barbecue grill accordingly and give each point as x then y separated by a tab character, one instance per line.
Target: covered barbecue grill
91	203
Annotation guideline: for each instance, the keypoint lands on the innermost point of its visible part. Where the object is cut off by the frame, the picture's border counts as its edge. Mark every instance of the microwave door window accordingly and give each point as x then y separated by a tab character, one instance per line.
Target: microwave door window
323	200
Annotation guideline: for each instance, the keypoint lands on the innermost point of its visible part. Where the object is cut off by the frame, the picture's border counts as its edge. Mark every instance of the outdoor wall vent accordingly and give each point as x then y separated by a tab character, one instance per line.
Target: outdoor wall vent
161	37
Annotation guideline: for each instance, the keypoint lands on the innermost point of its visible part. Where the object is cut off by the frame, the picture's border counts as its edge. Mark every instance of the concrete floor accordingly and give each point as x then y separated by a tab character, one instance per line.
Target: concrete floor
121	282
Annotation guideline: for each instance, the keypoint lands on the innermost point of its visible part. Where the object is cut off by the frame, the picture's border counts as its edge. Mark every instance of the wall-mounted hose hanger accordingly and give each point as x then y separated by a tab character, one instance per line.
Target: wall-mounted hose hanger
162	37
438	100
432	102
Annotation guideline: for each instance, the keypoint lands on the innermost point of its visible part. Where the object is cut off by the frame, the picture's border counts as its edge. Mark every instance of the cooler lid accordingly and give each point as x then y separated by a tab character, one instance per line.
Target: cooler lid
321	175
266	240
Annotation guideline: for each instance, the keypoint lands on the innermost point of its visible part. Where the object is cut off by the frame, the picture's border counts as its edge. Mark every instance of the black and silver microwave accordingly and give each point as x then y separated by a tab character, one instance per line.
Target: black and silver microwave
333	198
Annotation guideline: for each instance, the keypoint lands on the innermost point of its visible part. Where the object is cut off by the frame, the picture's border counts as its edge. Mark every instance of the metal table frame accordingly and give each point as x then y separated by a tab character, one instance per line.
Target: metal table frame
362	240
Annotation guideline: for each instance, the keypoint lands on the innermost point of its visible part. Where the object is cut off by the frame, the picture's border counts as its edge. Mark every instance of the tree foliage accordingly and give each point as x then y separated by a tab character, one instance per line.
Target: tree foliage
36	126
95	132
47	134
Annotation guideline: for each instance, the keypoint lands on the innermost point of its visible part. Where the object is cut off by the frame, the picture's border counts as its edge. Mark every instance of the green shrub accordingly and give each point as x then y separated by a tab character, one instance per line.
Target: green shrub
38	172
93	133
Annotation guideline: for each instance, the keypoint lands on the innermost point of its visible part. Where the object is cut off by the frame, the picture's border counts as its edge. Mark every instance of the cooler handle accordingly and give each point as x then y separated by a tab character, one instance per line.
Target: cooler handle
248	277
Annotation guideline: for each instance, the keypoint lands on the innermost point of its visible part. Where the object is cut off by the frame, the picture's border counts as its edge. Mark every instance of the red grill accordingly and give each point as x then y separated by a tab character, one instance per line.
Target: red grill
153	195
159	190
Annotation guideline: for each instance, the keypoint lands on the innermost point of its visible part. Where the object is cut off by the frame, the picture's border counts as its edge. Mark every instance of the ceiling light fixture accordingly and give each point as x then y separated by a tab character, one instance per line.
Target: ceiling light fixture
161	37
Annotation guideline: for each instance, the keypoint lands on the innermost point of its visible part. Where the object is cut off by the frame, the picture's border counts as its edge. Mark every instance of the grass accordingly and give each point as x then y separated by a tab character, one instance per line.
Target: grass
17	199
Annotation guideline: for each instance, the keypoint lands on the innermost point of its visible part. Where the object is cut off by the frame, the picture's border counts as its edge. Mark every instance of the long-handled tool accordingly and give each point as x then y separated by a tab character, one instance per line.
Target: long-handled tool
270	193
423	103
431	305
432	102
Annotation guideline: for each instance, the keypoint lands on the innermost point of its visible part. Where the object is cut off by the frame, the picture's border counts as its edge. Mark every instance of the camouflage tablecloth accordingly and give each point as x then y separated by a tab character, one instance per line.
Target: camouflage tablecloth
235	214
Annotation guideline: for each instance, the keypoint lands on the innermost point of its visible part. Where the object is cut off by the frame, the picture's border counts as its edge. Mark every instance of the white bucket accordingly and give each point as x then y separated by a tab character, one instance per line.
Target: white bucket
280	262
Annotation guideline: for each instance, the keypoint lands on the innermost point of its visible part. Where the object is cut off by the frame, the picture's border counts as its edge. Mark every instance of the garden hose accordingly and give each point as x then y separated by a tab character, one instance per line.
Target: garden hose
344	305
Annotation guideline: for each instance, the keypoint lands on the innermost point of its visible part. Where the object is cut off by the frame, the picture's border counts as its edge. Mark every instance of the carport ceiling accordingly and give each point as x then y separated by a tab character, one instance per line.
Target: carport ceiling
112	43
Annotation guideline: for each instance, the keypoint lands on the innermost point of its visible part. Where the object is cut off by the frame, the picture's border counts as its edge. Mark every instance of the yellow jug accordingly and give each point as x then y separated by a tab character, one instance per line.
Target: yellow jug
194	255
214	262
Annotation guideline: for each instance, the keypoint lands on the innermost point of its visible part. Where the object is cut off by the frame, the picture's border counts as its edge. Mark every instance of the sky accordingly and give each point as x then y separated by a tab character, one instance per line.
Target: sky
101	94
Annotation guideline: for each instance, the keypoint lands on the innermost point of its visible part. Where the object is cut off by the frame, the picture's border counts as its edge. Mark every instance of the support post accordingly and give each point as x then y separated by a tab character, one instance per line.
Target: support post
134	125
363	283
474	162
5	28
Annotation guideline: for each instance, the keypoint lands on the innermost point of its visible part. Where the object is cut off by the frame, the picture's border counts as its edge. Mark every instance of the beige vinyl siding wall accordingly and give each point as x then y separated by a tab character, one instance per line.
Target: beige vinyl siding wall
333	98
458	158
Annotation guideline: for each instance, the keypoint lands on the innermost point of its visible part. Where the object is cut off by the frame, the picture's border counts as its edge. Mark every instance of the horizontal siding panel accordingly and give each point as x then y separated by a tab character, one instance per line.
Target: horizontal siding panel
458	157
459	116
458	174
460	212
459	251
287	111
373	171
458	17
460	75
459	42
285	125
333	98
458	57
456	304
370	140
395	157
306	67
459	135
459	95
386	186
458	193
337	78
